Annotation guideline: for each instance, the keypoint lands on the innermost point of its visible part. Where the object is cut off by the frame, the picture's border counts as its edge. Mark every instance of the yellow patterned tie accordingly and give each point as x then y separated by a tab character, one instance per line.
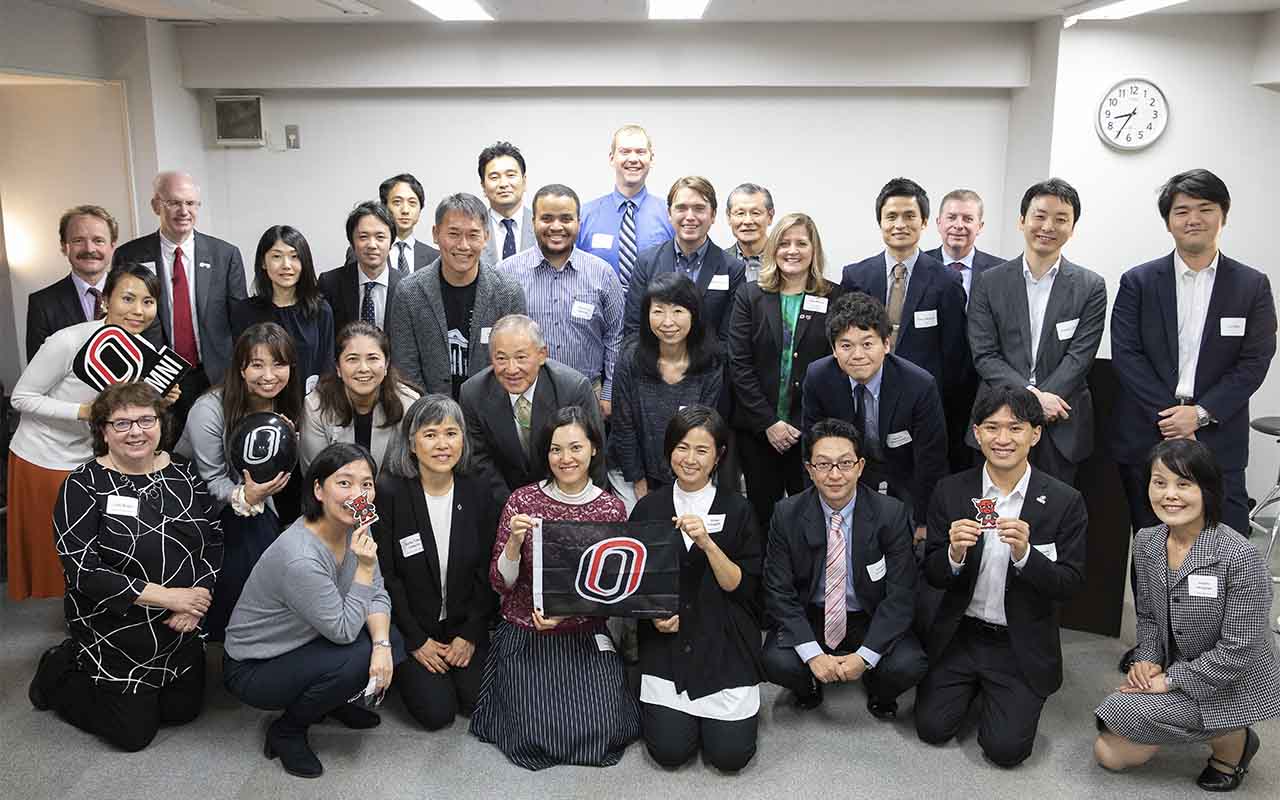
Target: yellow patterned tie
897	294
524	417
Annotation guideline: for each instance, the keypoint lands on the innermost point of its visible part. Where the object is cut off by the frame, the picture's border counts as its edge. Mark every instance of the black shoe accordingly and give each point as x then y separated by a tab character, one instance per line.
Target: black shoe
882	709
1214	780
51	661
296	756
811	699
354	717
1126	660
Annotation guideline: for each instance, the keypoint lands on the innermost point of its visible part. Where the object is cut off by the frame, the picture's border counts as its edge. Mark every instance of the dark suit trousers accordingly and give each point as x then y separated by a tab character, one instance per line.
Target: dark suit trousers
957	405
897	671
980	663
193	385
1046	456
673	737
434	699
769	474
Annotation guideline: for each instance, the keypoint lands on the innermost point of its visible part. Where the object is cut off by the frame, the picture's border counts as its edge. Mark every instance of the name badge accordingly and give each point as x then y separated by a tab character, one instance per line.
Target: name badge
604	644
1050	550
121	506
877	570
713	522
1202	585
484	335
411	545
1232	326
818	305
898	439
719	283
601	241
1067	329
582	310
927	319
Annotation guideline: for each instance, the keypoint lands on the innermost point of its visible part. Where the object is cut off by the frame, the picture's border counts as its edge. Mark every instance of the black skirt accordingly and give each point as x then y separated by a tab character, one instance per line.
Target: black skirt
550	699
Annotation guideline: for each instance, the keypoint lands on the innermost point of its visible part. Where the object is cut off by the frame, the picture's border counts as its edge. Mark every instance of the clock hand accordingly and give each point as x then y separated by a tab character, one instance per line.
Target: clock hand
1127	117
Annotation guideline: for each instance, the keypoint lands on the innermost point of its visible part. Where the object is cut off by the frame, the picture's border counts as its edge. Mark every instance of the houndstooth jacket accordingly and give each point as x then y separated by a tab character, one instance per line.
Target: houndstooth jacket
1226	660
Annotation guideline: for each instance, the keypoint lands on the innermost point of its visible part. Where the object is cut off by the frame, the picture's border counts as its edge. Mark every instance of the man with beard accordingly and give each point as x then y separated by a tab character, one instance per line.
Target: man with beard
88	235
556	276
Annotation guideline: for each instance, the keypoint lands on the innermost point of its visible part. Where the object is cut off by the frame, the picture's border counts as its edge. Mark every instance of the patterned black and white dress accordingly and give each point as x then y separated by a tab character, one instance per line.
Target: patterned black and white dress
116	533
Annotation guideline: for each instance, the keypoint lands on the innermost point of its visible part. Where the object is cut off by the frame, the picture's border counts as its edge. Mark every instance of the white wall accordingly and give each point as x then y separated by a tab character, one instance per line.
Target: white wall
39	38
823	151
1218	120
1266	67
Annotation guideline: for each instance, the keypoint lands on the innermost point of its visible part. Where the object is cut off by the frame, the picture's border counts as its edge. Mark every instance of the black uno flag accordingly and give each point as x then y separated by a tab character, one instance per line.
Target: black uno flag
113	355
607	569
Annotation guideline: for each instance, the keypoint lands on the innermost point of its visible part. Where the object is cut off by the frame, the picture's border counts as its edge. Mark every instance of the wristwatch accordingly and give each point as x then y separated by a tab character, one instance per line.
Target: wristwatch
383	643
1202	417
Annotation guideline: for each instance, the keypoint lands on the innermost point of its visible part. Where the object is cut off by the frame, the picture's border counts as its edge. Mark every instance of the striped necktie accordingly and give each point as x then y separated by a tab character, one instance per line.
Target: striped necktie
402	263
834	614
627	244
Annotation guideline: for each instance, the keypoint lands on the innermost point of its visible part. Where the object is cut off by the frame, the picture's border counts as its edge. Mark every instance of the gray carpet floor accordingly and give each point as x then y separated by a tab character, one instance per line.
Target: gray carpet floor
837	750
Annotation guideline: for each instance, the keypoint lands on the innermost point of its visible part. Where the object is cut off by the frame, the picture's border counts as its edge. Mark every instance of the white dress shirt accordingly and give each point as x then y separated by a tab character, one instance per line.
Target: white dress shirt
498	231
889	263
1194	290
988	591
189	267
393	258
440	510
1037	302
379	294
966	274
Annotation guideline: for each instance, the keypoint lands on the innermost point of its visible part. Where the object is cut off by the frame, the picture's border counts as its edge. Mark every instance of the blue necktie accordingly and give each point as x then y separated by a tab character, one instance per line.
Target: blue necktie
509	244
367	313
627	244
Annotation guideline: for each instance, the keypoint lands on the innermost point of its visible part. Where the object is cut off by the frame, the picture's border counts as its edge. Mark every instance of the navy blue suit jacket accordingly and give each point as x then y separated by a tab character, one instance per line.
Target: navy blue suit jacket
716	303
934	292
910	404
1144	353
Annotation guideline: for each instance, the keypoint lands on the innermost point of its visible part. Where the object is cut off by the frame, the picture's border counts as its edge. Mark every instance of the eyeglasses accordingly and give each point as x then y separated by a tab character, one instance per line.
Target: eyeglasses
741	214
174	205
846	466
145	423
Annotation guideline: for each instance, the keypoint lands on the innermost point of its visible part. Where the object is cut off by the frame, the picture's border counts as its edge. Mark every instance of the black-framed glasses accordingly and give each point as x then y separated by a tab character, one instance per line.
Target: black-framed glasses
846	465
145	423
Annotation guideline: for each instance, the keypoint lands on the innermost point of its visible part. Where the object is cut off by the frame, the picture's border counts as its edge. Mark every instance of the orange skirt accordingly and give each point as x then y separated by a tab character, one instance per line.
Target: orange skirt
34	567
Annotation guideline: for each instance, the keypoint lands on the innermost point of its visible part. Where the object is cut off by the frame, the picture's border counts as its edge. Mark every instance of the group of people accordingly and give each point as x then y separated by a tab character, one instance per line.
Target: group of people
907	438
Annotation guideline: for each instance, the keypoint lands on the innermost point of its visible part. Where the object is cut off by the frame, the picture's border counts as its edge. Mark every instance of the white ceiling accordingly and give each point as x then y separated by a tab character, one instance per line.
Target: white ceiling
622	10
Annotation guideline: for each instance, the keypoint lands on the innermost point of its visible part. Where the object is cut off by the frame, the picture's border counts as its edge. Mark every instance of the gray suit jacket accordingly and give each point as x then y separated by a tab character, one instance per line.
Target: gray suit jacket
219	276
493	249
1000	339
419	332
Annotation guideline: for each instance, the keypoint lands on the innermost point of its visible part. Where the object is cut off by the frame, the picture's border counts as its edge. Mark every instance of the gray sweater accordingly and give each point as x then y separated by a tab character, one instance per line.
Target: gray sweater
296	592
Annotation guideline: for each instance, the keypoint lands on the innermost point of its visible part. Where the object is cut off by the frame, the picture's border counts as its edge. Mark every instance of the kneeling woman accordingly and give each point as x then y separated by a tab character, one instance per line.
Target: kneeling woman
554	689
141	549
312	628
435	534
700	669
1206	666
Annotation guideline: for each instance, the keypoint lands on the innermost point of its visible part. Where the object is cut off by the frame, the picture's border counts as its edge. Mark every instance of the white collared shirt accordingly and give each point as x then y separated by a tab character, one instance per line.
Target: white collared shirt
890	262
440	511
697	503
987	603
498	231
86	300
1038	292
393	258
189	267
379	294
1194	290
966	274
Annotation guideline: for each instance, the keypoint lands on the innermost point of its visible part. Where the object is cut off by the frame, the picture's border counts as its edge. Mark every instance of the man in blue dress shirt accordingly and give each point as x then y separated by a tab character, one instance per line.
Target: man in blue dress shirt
621	225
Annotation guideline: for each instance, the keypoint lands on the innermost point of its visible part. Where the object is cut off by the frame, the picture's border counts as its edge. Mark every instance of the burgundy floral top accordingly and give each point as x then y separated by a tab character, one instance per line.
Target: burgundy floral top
517	602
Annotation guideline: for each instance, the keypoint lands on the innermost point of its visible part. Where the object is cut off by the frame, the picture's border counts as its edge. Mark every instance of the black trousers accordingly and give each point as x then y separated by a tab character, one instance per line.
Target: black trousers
673	737
897	671
977	663
770	475
1046	456
957	405
193	385
128	721
434	699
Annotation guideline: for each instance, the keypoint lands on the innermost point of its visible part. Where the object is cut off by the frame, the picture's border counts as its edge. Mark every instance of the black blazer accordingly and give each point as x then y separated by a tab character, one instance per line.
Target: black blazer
715	302
909	404
341	287
718	644
934	292
798	557
51	309
497	458
423	255
755	347
1144	352
414	581
1054	571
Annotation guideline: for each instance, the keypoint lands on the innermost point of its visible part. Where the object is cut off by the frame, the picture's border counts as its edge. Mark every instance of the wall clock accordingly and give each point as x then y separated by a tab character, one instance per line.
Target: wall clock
1132	114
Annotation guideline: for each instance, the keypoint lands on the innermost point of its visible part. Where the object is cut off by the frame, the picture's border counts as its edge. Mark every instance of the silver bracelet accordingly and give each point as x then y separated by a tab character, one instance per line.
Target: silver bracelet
383	643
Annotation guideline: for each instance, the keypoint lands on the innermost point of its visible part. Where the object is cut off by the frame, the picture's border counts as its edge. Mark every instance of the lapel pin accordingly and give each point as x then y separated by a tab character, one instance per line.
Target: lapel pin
205	265
1040	499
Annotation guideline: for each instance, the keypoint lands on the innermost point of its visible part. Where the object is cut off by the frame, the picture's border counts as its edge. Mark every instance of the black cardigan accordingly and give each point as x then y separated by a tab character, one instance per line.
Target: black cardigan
718	644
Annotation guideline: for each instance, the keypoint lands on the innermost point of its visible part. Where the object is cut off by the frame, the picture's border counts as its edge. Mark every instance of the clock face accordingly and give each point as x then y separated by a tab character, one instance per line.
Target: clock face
1132	115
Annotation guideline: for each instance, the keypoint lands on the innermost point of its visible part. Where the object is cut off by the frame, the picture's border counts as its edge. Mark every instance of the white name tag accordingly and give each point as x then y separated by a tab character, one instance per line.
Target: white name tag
583	310
1049	550
1202	585
1067	329
1232	326
927	319
121	506
601	241
411	545
719	283
818	305
604	644
877	570
898	439
713	522
484	335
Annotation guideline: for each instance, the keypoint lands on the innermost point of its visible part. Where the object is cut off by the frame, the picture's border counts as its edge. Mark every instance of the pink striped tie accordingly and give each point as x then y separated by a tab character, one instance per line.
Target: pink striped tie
833	604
